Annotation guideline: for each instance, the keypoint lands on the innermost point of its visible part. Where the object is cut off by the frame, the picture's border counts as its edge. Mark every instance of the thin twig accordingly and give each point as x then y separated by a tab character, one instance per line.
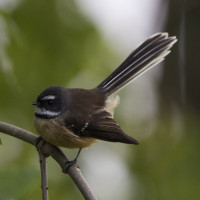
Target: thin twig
55	153
44	179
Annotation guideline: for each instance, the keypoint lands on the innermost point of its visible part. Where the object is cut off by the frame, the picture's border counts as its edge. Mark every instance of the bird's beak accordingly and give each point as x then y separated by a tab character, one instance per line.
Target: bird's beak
34	103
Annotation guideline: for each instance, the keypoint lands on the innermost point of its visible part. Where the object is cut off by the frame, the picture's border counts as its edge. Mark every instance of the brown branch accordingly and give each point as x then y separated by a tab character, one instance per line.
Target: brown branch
44	179
74	172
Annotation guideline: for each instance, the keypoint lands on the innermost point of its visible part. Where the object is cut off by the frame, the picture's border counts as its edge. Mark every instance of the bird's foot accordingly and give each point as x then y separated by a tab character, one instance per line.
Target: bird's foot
40	145
69	164
39	141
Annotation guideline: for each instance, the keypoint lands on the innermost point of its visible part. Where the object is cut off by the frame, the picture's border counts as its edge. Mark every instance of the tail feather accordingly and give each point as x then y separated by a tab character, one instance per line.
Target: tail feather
147	55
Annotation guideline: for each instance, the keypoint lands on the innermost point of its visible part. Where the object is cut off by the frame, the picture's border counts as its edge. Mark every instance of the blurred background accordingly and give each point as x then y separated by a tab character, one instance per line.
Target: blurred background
78	44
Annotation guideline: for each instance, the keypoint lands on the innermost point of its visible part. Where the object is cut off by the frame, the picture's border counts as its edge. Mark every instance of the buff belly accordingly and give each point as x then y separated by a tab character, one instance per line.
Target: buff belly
59	135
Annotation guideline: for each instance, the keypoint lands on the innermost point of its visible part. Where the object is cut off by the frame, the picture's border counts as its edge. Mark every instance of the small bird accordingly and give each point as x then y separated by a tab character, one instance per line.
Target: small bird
76	118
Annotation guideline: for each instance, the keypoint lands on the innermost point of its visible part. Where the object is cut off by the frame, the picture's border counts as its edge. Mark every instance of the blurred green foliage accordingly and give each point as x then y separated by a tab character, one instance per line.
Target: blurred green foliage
49	42
167	164
46	42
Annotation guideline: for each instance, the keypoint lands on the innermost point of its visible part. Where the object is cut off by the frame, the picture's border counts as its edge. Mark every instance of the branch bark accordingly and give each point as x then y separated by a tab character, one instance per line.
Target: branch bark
74	172
44	179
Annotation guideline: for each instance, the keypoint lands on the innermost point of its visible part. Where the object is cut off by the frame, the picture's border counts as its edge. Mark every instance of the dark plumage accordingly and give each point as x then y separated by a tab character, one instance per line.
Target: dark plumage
75	118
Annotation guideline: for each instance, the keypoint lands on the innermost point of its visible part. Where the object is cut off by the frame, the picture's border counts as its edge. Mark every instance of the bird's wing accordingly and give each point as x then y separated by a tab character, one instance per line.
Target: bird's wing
100	125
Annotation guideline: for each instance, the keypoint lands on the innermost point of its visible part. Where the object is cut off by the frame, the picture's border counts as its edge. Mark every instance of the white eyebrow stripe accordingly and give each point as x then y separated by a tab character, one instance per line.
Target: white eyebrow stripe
49	97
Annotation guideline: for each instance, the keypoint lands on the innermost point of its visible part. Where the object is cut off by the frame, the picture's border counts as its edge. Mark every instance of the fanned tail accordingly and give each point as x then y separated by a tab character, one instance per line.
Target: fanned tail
147	55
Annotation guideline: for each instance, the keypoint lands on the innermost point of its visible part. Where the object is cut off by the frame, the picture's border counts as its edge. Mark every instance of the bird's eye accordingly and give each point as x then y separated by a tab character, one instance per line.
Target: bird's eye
50	102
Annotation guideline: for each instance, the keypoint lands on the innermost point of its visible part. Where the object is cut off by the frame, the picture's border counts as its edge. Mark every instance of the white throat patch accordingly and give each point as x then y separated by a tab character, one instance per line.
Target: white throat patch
44	112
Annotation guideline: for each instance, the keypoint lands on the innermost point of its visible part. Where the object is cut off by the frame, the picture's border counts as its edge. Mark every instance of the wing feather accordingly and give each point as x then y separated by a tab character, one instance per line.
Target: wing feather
100	125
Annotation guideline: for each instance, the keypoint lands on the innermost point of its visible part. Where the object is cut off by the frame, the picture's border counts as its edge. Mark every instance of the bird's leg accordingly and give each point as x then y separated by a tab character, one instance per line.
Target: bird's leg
75	159
72	162
39	140
39	143
41	146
